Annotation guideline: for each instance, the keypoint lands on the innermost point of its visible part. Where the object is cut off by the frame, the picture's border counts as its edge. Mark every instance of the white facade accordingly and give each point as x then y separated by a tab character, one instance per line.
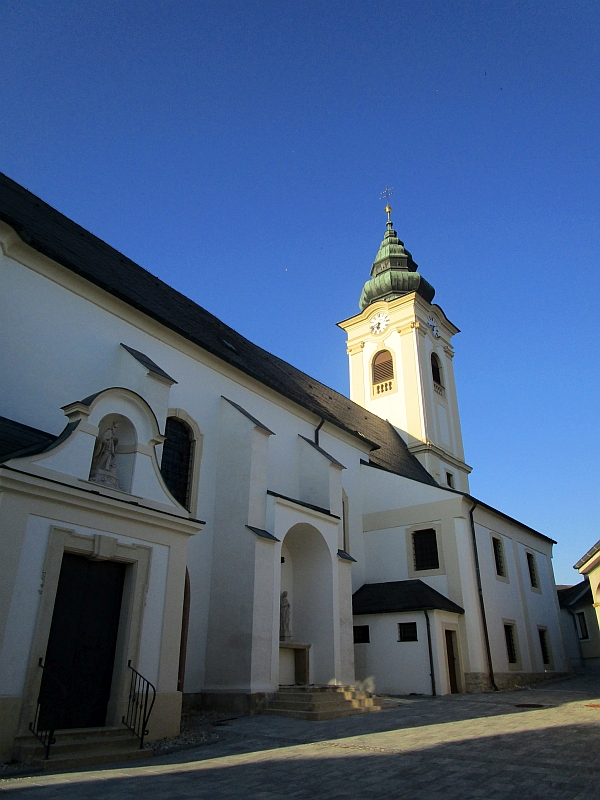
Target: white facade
281	493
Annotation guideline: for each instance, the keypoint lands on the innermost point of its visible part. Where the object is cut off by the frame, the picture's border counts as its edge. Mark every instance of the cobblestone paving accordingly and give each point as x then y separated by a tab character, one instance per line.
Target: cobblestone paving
467	746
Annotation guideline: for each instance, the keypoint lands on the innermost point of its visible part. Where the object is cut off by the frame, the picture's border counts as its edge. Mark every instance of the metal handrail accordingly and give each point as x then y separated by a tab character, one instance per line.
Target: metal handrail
138	711
46	736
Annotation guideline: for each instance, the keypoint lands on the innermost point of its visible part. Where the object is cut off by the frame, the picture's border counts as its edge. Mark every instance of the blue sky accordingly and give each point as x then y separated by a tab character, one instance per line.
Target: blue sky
238	149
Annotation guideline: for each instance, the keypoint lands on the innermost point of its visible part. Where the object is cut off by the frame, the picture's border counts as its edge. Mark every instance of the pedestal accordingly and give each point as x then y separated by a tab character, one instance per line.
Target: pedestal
294	662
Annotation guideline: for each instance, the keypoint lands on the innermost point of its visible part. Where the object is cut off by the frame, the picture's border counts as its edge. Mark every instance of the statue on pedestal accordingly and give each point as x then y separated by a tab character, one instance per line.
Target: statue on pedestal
104	468
284	618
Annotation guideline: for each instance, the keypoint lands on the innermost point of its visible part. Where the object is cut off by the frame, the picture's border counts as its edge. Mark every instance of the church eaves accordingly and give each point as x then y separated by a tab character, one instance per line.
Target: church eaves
394	273
51	233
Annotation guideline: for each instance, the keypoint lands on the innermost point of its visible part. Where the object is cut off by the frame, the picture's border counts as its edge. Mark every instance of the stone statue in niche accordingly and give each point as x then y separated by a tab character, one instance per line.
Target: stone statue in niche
104	467
284	618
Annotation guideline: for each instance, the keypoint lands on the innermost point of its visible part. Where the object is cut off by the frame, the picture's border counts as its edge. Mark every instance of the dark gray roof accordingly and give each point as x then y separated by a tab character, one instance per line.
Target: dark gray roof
51	233
147	362
19	439
248	415
396	596
263	533
575	596
584	559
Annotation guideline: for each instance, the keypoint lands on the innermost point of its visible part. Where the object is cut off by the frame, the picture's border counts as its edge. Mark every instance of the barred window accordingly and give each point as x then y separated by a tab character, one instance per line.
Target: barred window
383	367
361	634
176	464
499	556
425	551
436	370
407	632
544	646
533	573
511	643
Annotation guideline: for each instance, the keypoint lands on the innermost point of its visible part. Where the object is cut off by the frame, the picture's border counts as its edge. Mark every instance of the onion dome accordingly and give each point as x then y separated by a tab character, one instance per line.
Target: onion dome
394	273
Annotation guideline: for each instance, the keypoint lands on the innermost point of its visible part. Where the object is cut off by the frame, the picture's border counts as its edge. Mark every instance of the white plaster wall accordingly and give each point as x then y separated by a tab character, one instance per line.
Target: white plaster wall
387	665
384	491
474	657
570	637
515	599
24	608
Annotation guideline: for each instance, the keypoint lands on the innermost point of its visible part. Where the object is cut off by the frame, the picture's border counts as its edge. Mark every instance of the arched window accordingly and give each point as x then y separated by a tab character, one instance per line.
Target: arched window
383	367
177	460
436	370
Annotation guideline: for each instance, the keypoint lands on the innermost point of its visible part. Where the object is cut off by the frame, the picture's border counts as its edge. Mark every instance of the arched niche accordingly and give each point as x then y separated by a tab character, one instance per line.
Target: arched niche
307	577
113	459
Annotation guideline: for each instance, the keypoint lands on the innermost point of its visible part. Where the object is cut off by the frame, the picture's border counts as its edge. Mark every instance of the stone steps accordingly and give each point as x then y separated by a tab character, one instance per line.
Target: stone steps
80	747
320	702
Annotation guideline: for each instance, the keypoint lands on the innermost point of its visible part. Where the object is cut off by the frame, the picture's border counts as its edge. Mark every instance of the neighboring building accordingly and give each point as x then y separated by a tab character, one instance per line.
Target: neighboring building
579	624
199	478
589	566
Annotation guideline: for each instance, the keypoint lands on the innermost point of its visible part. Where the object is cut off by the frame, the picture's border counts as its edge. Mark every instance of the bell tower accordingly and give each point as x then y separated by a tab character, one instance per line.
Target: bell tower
400	354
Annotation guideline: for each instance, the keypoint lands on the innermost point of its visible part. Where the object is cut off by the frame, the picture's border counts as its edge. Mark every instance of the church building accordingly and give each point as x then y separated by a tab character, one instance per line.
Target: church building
187	520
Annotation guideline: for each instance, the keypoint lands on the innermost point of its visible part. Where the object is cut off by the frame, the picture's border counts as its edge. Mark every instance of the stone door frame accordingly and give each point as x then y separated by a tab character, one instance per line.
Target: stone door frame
99	547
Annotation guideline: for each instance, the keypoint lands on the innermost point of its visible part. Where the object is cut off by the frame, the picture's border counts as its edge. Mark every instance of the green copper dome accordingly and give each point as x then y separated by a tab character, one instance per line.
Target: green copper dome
394	273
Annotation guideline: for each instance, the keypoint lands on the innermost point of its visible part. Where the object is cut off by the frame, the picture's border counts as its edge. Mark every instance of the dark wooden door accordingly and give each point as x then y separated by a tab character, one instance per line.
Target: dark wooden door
452	660
81	649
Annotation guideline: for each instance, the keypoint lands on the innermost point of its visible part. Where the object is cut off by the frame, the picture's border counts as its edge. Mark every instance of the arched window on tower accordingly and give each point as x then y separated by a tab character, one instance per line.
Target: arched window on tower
177	460
436	370
383	372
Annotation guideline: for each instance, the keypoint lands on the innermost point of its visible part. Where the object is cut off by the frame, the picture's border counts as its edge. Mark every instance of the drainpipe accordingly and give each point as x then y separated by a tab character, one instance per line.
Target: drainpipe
431	672
317	429
481	600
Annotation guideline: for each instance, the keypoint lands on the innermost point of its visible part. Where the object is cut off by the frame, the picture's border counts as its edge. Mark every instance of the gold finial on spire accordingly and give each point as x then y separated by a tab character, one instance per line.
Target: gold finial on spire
385	195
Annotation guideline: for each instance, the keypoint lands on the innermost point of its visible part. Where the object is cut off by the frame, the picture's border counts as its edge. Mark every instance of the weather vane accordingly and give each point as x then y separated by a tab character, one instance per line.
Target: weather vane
385	195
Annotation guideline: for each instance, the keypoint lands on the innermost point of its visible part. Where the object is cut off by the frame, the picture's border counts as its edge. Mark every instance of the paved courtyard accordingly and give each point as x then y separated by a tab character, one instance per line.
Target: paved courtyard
467	746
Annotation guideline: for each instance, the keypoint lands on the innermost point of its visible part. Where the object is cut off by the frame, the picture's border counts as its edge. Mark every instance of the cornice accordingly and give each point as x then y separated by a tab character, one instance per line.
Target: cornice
430	447
305	508
48	489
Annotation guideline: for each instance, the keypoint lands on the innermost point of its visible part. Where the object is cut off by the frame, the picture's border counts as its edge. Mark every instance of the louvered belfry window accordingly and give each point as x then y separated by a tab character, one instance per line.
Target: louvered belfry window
383	367
436	370
176	464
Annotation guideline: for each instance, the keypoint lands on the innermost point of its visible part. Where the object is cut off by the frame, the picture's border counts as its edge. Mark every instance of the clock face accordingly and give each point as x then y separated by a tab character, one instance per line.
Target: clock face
434	328
379	323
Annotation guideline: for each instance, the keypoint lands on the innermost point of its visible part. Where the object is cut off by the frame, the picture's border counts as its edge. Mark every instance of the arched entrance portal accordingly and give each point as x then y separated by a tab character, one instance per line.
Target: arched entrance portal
307	577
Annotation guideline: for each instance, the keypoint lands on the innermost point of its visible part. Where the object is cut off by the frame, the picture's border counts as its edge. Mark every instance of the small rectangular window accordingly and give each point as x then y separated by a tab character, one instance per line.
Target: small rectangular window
533	573
582	625
361	634
544	646
499	556
425	551
407	632
511	643
450	480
